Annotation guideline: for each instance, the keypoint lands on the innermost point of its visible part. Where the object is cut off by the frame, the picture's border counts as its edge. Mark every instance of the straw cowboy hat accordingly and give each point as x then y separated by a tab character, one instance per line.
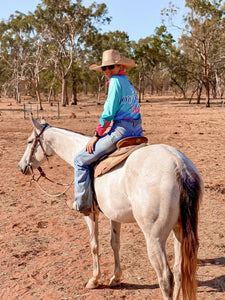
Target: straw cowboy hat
112	57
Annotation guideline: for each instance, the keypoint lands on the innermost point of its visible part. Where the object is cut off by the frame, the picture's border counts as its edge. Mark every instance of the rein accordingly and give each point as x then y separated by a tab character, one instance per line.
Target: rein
42	174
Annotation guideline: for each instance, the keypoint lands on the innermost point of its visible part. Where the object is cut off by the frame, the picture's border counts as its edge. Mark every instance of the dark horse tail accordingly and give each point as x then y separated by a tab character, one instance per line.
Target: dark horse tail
191	191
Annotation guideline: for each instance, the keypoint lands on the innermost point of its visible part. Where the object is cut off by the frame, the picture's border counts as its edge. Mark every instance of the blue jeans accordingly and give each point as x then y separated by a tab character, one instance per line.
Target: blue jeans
105	145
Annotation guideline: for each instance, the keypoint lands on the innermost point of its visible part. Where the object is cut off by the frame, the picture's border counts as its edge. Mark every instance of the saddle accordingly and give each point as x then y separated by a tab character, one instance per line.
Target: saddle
124	148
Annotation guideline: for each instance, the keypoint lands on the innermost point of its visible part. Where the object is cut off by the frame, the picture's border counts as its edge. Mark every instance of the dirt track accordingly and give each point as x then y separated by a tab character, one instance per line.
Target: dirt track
45	246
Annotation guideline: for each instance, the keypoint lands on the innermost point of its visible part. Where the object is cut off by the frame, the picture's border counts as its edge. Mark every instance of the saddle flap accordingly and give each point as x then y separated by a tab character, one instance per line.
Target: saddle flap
114	159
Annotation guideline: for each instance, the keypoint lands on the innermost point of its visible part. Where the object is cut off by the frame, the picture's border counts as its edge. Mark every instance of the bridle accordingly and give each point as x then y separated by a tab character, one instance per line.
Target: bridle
37	141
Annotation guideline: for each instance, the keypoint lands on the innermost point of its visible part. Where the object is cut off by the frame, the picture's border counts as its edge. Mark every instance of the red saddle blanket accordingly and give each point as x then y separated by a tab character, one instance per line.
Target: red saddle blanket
124	148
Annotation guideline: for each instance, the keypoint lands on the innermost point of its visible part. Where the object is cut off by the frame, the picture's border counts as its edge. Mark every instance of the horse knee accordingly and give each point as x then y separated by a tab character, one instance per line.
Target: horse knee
94	248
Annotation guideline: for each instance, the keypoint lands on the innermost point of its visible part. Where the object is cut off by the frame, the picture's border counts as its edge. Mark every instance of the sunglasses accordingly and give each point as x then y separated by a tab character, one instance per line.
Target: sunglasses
111	67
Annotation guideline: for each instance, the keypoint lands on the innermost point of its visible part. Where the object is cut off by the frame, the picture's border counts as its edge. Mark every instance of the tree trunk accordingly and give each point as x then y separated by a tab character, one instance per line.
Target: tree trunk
39	99
54	95
207	92
18	93
199	93
99	89
152	87
85	87
37	90
64	91
206	71
140	87
143	89
192	94
179	86
50	94
74	95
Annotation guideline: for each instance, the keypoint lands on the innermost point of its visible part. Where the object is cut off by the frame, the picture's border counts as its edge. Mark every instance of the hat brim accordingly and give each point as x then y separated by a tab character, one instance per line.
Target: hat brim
126	62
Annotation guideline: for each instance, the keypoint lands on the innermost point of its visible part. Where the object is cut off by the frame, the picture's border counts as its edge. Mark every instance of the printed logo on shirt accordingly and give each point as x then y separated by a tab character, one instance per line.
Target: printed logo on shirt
132	100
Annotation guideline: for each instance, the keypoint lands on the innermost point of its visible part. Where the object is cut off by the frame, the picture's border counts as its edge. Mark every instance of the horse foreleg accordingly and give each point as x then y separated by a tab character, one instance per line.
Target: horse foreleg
92	222
115	243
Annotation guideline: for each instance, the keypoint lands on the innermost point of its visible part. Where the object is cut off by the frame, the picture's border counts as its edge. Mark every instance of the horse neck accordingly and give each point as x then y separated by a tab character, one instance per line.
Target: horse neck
64	143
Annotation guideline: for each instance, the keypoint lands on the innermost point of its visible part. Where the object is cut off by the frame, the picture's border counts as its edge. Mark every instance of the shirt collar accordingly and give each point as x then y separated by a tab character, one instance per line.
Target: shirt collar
120	73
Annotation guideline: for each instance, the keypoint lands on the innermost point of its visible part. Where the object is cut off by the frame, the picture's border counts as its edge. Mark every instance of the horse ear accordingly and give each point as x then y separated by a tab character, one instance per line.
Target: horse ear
43	121
37	125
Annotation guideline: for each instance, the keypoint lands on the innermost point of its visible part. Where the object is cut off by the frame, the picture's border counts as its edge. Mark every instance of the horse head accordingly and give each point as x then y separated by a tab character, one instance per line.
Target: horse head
37	150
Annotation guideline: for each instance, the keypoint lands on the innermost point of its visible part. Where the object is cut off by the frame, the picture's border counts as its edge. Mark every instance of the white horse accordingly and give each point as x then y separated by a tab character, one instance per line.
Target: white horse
157	186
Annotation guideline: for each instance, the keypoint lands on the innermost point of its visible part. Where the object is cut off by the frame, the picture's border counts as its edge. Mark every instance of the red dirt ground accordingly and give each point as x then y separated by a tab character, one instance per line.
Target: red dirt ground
45	252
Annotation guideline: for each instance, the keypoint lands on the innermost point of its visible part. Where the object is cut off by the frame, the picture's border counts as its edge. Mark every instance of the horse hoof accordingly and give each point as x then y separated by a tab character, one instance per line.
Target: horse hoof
92	284
114	282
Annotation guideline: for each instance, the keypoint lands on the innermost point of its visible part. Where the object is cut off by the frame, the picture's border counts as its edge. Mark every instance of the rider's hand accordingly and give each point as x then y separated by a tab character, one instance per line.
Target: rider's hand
90	145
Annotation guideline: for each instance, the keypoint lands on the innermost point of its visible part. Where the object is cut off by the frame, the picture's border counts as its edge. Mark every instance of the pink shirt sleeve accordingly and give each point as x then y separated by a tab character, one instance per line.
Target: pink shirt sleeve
100	130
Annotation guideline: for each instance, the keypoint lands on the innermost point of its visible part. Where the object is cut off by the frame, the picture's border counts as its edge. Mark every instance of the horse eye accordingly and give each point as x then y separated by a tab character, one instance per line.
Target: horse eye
30	141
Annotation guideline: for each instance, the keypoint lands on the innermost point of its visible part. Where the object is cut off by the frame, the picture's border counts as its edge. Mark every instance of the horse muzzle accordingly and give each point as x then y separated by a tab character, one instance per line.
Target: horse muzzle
25	170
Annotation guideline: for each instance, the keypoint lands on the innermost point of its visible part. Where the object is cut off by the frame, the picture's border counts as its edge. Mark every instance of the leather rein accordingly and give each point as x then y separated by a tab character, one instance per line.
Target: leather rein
37	141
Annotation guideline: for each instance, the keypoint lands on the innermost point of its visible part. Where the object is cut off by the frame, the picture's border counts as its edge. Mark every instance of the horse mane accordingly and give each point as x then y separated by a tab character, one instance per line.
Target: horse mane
69	130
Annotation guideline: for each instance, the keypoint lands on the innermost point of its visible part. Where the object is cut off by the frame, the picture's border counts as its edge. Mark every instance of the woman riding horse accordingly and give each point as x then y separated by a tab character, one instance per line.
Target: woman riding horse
121	107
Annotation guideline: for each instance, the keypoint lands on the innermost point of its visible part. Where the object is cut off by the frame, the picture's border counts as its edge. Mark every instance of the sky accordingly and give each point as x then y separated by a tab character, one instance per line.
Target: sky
138	18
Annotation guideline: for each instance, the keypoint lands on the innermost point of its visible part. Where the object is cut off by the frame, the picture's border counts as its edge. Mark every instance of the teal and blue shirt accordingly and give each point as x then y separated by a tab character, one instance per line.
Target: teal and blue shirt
122	103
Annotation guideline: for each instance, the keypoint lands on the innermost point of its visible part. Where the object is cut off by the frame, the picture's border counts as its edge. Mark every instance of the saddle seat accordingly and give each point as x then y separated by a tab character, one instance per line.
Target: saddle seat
124	148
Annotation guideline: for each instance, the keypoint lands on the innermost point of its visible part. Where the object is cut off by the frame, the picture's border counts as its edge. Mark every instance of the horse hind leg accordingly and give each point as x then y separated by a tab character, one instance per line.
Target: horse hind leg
115	244
157	257
177	236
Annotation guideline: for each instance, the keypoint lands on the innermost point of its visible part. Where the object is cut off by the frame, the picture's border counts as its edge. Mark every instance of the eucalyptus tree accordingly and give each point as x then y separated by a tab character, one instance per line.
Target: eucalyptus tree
23	52
4	55
144	66
66	25
176	67
151	55
76	80
2	76
15	36
201	41
37	61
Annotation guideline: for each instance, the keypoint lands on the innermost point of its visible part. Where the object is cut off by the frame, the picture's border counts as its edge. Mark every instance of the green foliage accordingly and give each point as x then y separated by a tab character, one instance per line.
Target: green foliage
53	47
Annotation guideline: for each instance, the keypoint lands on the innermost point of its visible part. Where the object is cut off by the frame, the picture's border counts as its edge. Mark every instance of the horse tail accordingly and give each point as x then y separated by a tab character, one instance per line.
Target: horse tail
191	191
